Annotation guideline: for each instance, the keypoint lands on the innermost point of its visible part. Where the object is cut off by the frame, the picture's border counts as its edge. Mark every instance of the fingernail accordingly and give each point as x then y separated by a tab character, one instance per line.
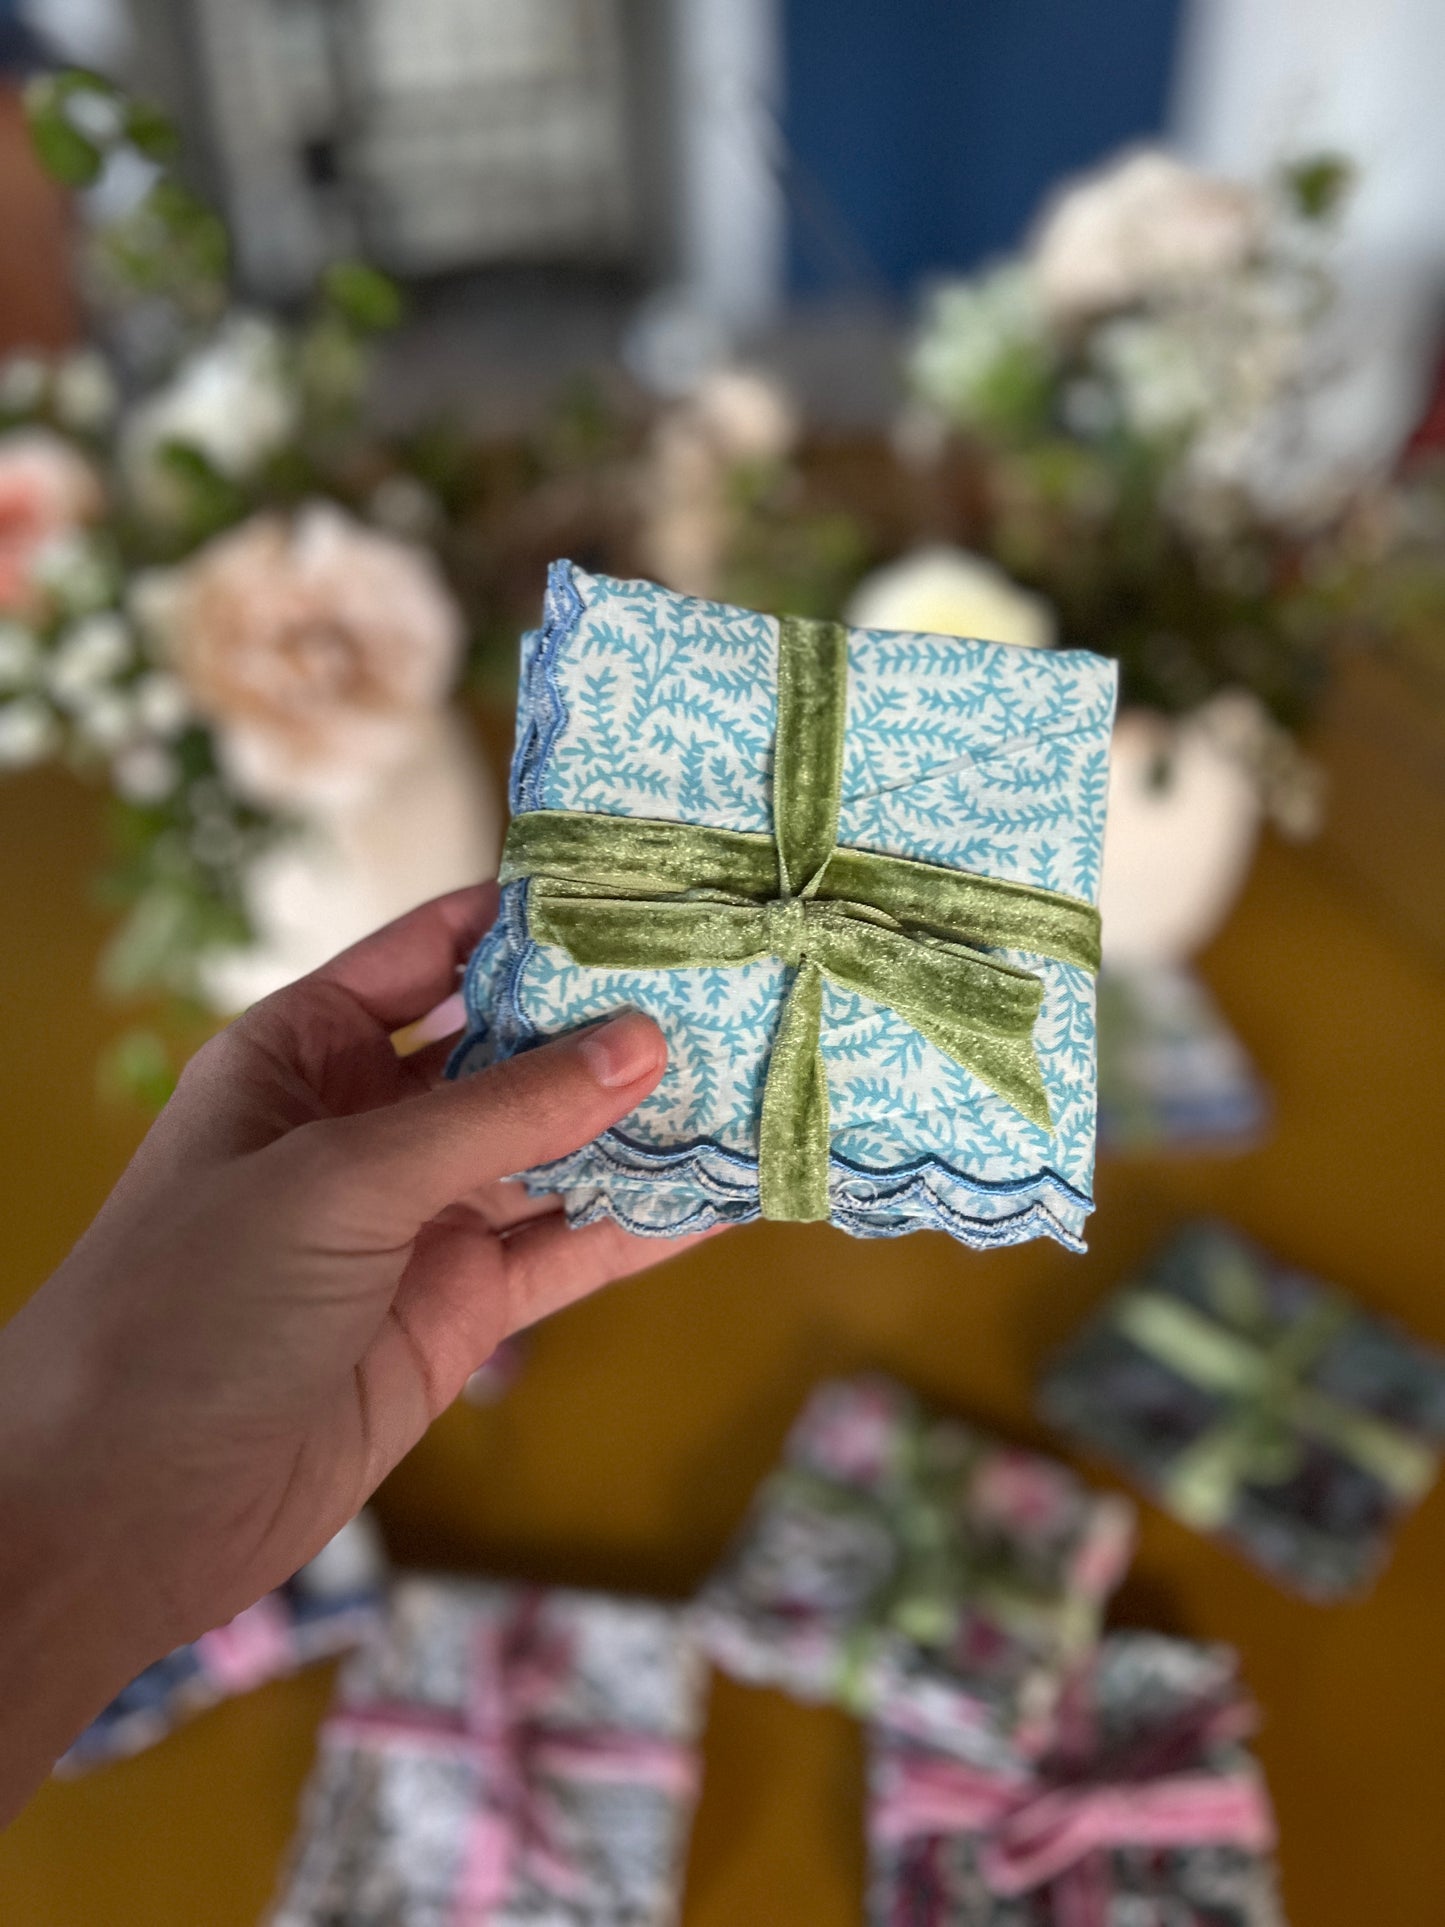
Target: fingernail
620	1051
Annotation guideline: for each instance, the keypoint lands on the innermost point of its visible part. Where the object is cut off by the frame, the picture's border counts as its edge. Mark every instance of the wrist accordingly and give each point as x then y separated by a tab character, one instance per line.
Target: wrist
74	1627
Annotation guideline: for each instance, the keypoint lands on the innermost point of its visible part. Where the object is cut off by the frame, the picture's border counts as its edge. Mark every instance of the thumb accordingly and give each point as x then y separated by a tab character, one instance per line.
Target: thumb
389	1171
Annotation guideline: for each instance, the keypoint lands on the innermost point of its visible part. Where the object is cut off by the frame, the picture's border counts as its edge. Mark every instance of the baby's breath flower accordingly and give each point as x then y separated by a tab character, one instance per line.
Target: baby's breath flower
29	732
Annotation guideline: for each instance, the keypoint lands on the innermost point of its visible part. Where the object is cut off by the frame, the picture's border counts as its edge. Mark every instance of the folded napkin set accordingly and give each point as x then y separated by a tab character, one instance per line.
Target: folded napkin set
853	877
502	1755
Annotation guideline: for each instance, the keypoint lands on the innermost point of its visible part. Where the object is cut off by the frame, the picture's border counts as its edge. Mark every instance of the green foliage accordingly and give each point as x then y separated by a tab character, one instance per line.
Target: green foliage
138	1068
73	150
362	296
211	500
150	131
1319	185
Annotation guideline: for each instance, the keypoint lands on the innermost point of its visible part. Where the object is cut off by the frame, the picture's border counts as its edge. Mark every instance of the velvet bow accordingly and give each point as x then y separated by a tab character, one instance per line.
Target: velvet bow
1052	1826
631	893
1260	1369
942	1566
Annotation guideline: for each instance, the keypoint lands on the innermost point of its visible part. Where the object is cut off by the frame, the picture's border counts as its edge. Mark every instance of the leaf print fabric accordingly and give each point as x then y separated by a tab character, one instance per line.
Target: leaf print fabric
636	702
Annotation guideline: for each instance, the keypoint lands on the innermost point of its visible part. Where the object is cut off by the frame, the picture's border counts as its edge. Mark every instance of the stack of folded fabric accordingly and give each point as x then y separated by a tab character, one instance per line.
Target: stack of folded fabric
851	874
327	1608
1144	1811
902	1564
503	1754
1255	1402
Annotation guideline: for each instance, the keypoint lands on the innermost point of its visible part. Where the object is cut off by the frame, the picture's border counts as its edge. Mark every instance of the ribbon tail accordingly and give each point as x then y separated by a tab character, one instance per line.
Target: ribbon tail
793	1137
976	1010
1200	1485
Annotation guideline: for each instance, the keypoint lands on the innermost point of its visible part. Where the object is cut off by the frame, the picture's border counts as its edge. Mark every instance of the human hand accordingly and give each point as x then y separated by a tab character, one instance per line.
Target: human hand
311	1251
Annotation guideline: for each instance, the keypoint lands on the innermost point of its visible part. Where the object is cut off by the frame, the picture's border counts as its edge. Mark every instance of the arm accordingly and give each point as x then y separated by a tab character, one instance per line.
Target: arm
309	1254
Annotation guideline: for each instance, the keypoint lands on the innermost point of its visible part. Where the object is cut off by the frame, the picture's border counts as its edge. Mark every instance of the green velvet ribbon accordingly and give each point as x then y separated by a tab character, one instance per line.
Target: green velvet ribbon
1272	1409
630	893
941	1566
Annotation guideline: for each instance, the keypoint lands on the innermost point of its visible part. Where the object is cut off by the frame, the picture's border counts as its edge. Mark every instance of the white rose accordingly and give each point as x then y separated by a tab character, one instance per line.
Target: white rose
1140	226
232	402
948	592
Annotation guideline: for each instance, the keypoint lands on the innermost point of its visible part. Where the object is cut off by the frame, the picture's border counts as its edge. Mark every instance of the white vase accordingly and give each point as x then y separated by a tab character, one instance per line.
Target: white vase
430	823
1184	819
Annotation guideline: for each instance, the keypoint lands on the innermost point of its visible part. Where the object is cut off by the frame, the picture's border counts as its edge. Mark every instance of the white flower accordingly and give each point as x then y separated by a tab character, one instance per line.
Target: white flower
19	656
405	506
314	646
105	720
232	402
75	572
1159	381
1140	226
22	383
28	732
734	416
748	415
89	657
85	392
145	773
974	333
948	592
161	704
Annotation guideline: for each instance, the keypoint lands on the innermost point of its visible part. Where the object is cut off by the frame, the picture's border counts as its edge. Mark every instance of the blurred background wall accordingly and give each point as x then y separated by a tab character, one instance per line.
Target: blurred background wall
735	160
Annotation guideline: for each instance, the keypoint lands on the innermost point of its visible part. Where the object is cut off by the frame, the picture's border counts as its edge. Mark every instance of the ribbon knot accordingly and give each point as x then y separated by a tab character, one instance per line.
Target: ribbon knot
1046	1826
940	1566
1262	1375
519	1824
786	928
635	893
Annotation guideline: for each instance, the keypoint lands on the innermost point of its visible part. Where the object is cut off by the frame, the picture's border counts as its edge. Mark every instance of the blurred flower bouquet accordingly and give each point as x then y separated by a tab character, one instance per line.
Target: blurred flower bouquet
218	597
1132	393
1120	419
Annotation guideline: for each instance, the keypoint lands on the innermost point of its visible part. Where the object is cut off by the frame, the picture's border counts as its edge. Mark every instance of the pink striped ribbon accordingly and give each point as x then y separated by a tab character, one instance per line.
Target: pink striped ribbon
516	1673
257	1645
1041	1830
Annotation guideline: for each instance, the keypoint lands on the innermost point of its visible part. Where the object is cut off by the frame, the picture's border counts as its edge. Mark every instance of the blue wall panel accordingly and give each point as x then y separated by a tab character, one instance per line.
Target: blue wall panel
922	133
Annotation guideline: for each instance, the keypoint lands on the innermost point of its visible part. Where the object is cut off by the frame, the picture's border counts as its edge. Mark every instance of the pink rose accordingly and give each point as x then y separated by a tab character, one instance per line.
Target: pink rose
47	491
313	646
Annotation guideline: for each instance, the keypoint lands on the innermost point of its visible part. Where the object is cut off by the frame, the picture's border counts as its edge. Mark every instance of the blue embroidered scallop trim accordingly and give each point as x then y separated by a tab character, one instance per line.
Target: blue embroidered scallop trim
543	716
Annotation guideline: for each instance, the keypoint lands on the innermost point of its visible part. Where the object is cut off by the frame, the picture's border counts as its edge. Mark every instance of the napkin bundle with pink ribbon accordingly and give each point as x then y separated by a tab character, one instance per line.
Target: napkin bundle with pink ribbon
326	1609
904	1565
1145	1810
505	1755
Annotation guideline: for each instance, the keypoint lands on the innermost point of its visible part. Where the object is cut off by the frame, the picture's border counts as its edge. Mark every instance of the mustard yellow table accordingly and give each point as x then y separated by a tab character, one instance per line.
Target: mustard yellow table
626	1454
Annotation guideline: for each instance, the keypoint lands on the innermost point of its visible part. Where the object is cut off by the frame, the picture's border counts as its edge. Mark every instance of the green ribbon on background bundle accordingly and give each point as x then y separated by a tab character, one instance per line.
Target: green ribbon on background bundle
1261	1369
942	1564
633	893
